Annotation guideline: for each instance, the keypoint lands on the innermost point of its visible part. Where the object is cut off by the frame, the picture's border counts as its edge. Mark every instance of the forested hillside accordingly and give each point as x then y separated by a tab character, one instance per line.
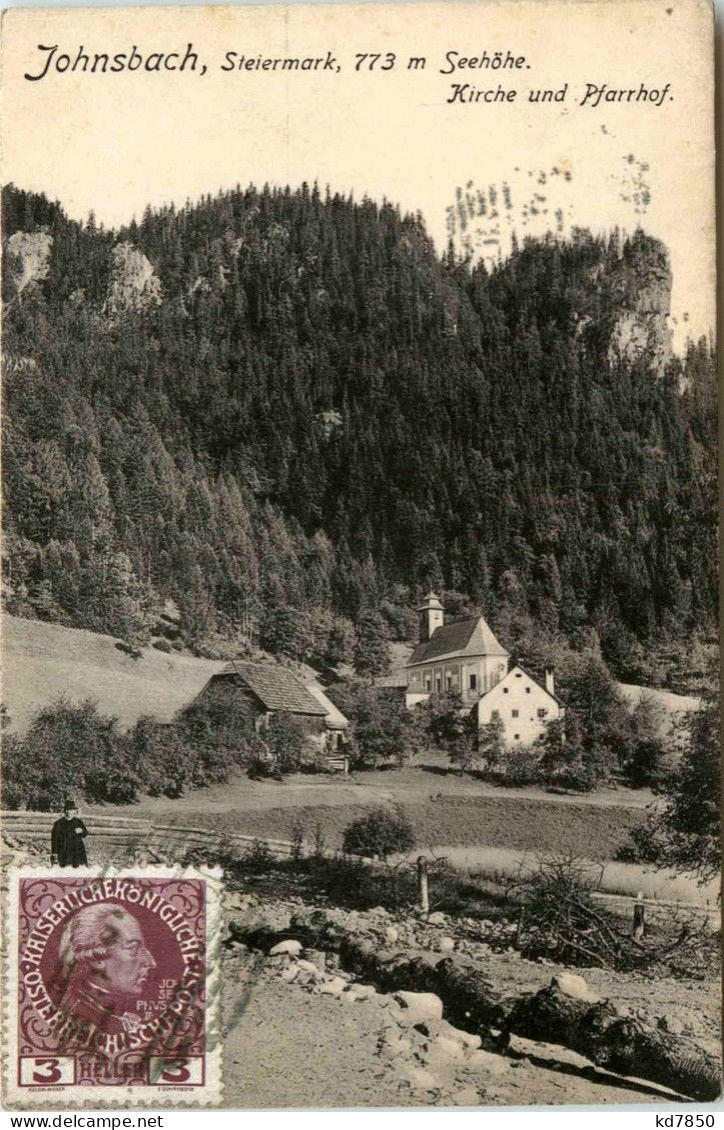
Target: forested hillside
280	413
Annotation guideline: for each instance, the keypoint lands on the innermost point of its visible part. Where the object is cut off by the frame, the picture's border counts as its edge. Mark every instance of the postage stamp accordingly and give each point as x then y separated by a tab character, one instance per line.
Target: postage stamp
112	987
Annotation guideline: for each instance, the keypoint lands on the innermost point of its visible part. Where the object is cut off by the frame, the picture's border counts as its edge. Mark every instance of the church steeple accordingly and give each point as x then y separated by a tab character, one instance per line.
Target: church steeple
432	616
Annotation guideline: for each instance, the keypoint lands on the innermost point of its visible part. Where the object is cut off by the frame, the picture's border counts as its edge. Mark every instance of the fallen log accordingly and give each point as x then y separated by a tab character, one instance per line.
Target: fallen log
619	1043
594	1029
471	1000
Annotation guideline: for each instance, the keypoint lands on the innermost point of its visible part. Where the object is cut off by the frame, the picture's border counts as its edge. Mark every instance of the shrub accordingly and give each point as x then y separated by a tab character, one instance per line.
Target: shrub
383	729
580	774
282	747
491	740
297	852
221	716
352	882
69	749
569	761
378	833
160	758
257	857
520	765
684	830
24	783
452	728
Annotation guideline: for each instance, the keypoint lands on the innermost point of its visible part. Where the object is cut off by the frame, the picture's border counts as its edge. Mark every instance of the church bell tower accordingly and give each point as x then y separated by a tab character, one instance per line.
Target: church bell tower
431	616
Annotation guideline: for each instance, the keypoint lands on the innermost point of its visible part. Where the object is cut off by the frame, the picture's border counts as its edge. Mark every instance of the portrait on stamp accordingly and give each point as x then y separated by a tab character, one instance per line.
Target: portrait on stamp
112	983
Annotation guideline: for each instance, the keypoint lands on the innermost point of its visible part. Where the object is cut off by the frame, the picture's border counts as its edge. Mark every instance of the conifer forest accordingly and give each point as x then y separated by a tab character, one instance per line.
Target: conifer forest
282	416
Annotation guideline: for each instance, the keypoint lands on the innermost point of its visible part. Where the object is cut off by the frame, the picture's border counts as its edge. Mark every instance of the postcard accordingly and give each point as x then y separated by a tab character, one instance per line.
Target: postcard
360	632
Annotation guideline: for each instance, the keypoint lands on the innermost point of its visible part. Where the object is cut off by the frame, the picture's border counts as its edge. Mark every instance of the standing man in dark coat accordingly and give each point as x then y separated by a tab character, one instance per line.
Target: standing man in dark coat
66	840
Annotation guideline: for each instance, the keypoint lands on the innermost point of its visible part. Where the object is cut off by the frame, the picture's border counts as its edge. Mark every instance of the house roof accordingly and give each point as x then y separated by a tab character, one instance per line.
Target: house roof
468	637
276	687
521	670
335	718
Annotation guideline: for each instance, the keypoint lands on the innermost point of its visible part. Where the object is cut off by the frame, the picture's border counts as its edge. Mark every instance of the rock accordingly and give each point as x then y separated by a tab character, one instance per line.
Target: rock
446	945
640	284
467	1039
392	934
290	946
487	1061
573	985
421	1080
309	967
442	1050
466	1096
28	258
419	1006
393	1044
263	918
671	1024
361	992
304	919
237	901
332	988
437	918
290	973
317	958
134	285
435	1028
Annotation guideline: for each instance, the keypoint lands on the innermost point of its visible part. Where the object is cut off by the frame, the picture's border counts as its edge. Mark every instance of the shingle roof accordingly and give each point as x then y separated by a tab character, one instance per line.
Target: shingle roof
470	637
276	687
335	718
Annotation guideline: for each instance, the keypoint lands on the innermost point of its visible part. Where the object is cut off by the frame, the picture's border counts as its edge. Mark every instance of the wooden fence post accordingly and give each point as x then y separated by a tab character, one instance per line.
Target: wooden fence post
639	917
423	890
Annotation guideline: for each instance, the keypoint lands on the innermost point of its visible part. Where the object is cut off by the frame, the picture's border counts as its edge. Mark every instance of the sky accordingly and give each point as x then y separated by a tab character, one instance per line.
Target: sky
114	143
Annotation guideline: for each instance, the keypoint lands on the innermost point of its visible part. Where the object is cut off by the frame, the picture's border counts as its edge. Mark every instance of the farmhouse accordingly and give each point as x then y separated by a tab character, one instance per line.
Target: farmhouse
465	658
522	704
271	689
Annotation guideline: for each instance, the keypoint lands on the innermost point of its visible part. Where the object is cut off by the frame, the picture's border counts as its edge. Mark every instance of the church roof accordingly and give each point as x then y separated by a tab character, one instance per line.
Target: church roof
468	637
276	687
432	600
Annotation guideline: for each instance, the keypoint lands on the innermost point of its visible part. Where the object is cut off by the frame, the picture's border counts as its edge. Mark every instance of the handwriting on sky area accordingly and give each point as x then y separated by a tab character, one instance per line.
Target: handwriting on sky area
482	218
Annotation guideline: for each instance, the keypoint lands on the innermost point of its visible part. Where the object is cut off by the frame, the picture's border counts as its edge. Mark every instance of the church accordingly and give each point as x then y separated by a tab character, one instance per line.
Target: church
465	658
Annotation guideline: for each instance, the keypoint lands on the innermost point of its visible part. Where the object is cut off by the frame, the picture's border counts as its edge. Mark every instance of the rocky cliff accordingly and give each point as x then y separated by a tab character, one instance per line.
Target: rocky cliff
639	287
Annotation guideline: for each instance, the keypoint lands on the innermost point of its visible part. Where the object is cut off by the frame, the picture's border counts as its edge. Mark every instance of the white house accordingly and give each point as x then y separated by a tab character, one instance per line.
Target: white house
465	658
523	705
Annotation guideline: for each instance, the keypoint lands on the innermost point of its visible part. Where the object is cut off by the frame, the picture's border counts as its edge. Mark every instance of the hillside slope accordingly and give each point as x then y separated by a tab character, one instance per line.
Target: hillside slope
42	662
